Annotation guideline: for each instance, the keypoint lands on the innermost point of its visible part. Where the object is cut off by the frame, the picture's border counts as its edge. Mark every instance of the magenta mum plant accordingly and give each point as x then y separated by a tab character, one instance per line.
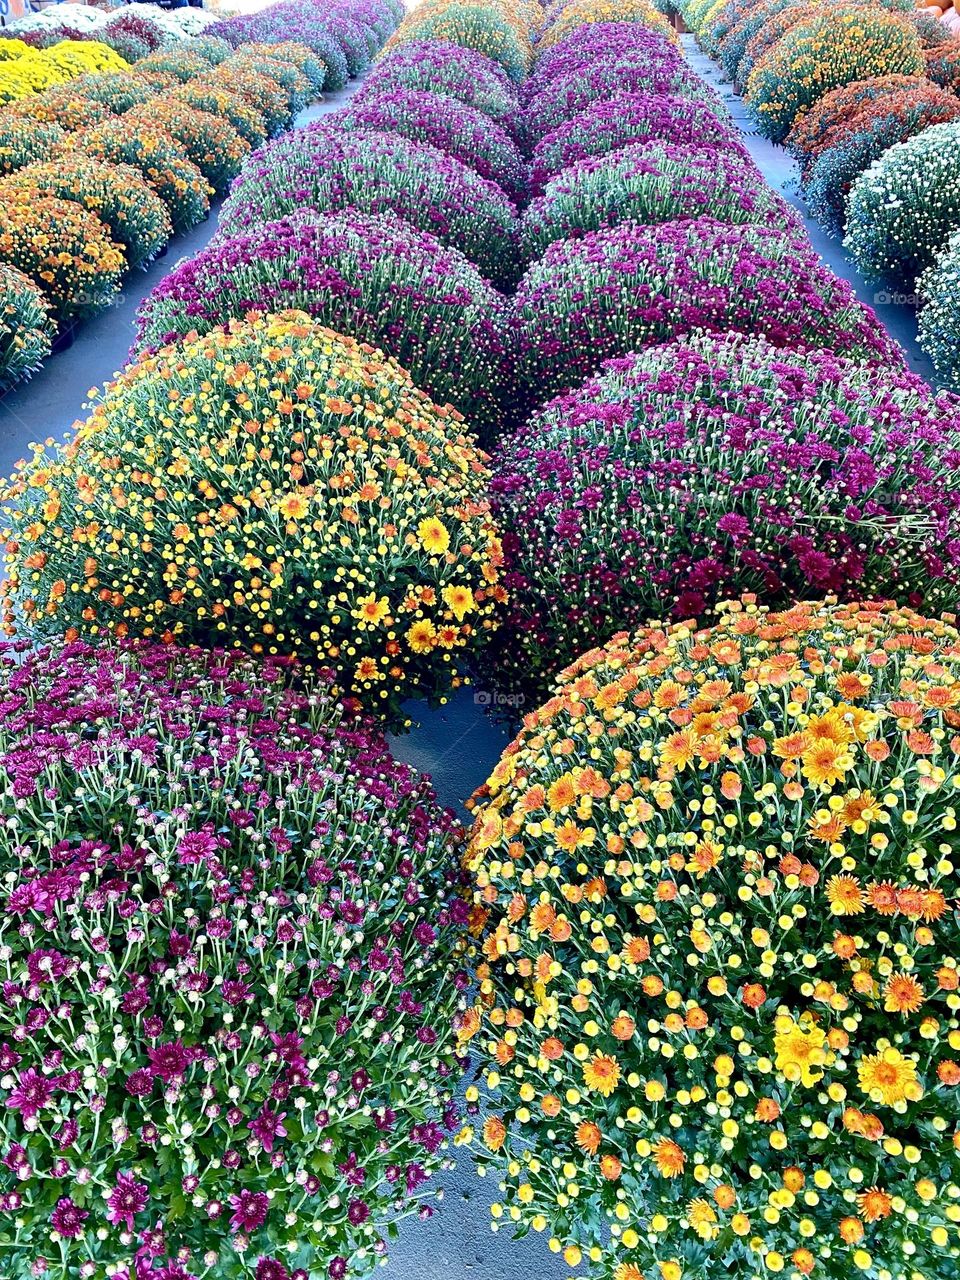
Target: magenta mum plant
599	42
632	286
372	278
652	182
456	129
569	94
231	963
612	123
325	169
450	70
716	465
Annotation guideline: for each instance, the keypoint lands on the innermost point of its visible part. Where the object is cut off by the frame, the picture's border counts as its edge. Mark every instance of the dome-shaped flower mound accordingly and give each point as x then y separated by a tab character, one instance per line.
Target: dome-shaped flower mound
116	92
484	28
568	95
583	13
316	503
454	128
182	63
630	286
322	168
24	142
262	954
448	69
66	251
63	105
715	879
203	96
258	90
26	328
651	182
733	46
210	142
823	51
118	194
829	121
939	289
905	206
881	125
373	278
693	472
600	42
612	123
162	161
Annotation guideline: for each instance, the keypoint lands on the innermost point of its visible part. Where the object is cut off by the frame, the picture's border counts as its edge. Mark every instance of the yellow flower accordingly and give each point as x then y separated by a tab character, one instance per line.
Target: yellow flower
422	636
799	1051
602	1073
459	600
371	610
703	1219
294	506
433	536
669	1158
825	762
889	1077
844	895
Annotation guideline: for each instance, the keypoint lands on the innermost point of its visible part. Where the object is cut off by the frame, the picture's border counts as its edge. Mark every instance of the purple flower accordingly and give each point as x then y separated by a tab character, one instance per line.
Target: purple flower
249	1210
267	1127
170	1061
32	1092
271	1269
128	1198
139	1083
68	1218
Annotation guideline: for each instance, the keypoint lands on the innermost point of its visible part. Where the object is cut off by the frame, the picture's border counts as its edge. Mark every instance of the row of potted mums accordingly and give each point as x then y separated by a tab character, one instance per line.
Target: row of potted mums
865	96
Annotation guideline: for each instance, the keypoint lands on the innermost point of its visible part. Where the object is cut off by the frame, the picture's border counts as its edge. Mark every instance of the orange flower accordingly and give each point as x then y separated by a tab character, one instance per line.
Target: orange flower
602	1074
851	1230
623	1027
611	1168
669	1158
494	1133
903	994
588	1137
753	995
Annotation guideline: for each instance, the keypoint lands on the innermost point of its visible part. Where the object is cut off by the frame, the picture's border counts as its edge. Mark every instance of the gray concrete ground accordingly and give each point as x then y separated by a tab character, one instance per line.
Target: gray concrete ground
458	745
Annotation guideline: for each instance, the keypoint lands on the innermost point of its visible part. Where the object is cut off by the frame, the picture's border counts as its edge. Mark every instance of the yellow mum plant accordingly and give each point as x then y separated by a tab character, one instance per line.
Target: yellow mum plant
273	486
716	906
582	12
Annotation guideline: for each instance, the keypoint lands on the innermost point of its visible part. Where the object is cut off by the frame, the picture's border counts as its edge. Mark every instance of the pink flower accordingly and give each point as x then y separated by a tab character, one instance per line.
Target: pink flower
31	1094
128	1198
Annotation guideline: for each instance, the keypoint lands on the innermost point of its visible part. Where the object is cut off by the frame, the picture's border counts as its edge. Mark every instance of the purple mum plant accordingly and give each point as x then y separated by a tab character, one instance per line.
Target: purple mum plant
370	277
599	42
631	286
652	182
450	70
570	94
611	123
323	168
232	968
718	464
456	129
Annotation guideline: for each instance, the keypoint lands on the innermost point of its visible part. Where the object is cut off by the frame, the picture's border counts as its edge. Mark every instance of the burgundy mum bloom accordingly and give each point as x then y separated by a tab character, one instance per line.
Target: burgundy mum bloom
68	1218
128	1198
249	1210
31	1094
